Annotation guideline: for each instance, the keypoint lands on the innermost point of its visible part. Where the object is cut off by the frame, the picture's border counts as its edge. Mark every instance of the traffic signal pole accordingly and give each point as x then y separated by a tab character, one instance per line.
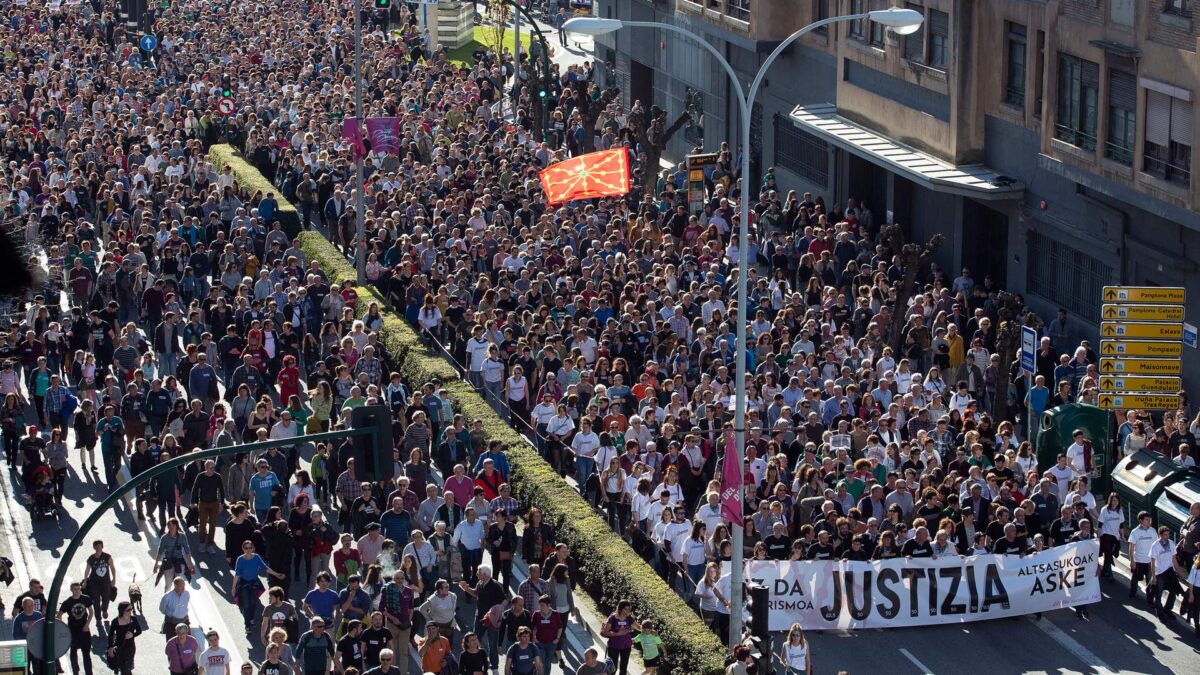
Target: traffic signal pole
50	663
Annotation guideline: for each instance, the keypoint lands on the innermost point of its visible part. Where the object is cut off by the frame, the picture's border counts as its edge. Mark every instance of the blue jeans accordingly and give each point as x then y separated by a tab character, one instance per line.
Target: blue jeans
546	653
584	466
471	559
489	639
248	603
167	363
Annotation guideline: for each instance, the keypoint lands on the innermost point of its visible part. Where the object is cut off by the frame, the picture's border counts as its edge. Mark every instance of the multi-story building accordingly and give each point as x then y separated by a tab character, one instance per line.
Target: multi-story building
1049	140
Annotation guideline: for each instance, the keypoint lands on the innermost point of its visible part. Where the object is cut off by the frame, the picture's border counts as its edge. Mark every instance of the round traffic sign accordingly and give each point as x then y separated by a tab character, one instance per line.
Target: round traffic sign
148	42
226	106
62	639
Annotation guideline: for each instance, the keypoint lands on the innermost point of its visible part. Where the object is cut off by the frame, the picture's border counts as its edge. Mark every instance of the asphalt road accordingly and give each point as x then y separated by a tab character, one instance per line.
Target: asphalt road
1122	636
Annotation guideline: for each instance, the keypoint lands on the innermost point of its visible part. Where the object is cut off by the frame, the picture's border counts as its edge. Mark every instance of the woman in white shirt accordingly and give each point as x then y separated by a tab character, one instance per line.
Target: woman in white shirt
671	485
794	653
695	551
558	431
714	604
1112	516
516	390
612	484
904	377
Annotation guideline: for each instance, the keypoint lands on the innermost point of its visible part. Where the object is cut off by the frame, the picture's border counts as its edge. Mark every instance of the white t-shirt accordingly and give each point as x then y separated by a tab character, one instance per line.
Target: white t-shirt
1163	555
1063	476
213	661
796	656
585	445
1142	538
1110	521
1075	454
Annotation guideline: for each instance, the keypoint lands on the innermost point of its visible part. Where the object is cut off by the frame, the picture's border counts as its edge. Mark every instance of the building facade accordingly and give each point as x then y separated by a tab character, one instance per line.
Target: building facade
1048	140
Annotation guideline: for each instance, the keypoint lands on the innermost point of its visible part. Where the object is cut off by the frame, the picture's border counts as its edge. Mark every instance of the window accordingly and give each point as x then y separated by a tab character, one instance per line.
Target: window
821	11
914	43
1065	276
1078	90
801	152
858	27
939	39
1014	90
1039	67
1122	117
1179	7
1168	152
877	30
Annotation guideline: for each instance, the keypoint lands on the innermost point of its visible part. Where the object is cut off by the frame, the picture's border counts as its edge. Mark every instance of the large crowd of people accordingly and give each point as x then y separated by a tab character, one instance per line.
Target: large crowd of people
178	314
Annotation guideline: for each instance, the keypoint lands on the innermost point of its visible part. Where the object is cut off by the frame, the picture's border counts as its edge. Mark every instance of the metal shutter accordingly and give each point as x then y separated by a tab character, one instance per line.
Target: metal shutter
1181	121
1122	90
1158	117
939	23
1091	74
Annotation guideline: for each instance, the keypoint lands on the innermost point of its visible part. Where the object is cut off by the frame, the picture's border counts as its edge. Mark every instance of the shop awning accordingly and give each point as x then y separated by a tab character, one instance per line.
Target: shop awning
975	181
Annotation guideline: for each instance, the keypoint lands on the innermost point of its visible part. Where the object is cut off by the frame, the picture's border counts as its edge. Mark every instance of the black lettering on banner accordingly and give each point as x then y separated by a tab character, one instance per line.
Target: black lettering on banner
1078	577
832	613
858	612
933	592
912	576
954	574
886	579
994	592
972	590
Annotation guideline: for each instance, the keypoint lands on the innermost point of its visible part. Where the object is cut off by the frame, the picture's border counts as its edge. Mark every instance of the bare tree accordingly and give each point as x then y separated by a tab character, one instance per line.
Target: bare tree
1008	340
913	259
590	110
652	133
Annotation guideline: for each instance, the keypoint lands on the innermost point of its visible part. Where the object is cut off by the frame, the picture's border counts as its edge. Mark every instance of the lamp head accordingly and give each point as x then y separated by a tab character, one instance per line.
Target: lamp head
593	25
901	20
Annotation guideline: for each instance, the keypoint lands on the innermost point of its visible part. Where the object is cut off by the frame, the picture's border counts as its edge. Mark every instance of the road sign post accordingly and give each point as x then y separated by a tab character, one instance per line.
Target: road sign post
1141	367
1139	401
1142	313
148	42
1147	383
1029	340
1139	329
1152	348
1144	294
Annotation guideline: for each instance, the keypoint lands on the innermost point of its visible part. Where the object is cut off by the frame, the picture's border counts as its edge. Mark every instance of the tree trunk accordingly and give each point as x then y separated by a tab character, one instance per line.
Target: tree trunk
590	110
913	257
648	129
1008	342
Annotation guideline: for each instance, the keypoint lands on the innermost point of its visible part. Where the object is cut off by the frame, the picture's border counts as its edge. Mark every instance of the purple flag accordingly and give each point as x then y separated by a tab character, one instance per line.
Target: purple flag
352	132
731	479
384	133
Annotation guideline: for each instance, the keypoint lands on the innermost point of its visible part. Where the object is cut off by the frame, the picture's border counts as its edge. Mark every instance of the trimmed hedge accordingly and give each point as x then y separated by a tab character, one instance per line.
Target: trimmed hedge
607	563
252	179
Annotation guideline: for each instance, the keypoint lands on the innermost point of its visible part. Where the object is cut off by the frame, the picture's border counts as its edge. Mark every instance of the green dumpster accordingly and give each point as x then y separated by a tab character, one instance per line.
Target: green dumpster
1055	436
1174	504
1140	480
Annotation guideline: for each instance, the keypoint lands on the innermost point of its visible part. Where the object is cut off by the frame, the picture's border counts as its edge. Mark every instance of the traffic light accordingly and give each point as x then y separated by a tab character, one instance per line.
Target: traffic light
541	93
383	4
226	86
372	453
759	625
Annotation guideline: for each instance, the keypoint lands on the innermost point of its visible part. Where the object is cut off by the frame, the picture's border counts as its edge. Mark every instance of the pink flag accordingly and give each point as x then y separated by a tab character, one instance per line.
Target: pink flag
731	479
384	133
351	131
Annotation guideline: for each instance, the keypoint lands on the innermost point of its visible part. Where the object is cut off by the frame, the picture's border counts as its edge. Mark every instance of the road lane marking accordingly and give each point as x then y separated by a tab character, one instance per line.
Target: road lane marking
920	666
1070	644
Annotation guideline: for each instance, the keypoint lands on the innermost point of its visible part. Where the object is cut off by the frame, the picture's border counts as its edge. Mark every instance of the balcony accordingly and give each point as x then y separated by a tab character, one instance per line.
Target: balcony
765	21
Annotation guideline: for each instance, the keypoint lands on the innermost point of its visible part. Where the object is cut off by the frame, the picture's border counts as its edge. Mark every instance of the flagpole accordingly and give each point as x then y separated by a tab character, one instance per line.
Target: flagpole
360	247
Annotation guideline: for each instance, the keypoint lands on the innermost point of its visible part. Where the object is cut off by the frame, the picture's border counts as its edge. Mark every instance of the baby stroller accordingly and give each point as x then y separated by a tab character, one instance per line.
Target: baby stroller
41	493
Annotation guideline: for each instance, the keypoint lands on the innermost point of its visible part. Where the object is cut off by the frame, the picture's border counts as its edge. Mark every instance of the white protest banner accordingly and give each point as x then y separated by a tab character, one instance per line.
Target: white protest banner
901	592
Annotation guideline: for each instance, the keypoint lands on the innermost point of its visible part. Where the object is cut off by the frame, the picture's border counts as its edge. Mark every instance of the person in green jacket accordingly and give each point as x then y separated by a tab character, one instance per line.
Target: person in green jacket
111	432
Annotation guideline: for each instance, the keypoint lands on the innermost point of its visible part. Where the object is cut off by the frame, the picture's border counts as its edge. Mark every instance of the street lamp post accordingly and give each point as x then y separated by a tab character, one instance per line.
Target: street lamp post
360	230
903	22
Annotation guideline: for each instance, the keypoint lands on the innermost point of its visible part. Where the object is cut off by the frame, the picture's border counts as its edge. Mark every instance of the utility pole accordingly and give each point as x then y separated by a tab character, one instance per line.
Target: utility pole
360	252
516	61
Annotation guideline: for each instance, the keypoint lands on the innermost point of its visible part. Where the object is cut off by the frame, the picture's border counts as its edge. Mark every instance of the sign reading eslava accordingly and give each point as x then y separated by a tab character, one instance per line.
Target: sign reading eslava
1153	331
596	174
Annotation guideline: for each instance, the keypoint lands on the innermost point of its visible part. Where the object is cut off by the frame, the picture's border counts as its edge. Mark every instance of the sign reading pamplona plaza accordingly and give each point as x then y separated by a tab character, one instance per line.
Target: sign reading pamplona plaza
922	591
